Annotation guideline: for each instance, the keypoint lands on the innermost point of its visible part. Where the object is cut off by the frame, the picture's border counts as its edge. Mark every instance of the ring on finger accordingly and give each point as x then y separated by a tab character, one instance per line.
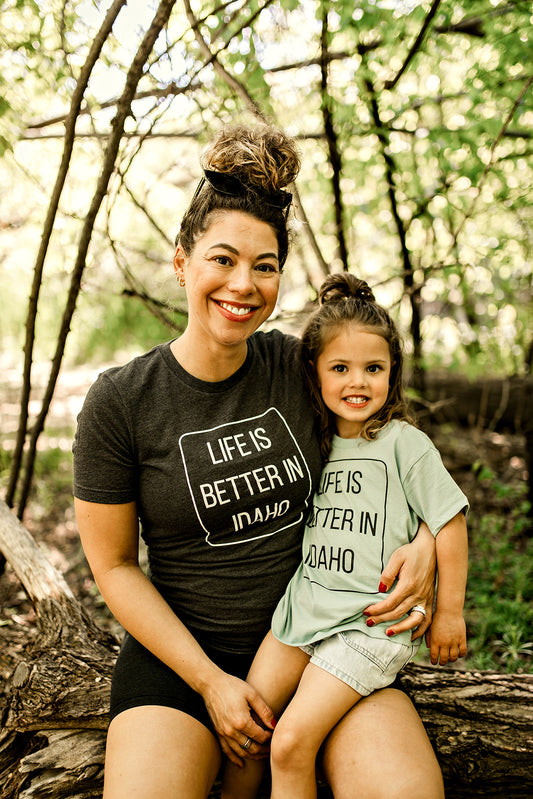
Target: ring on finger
421	609
246	744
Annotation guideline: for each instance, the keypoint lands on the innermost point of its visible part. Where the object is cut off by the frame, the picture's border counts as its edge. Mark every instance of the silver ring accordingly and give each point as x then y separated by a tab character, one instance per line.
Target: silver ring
246	744
421	609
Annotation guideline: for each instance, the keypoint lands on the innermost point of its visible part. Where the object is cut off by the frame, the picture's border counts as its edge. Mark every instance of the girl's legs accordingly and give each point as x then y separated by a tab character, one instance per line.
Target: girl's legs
275	673
380	749
161	753
320	701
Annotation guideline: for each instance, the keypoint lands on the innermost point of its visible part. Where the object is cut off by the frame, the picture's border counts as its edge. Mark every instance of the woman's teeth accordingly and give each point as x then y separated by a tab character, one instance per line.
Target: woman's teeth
235	310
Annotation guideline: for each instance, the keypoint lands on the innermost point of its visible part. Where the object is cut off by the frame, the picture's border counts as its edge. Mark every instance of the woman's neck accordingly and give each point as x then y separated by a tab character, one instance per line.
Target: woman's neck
208	365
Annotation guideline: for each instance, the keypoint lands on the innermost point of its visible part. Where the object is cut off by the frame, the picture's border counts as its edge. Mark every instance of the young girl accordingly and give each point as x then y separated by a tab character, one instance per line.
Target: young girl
381	477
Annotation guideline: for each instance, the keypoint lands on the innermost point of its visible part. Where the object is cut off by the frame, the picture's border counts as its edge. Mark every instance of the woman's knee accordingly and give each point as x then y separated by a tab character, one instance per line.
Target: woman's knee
159	752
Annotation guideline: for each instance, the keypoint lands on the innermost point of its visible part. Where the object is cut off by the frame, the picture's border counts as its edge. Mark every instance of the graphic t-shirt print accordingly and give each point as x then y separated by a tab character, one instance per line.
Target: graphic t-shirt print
245	477
345	529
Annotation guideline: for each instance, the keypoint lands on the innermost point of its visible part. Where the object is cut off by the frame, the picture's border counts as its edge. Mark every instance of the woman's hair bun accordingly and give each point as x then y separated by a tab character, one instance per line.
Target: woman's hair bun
259	156
343	286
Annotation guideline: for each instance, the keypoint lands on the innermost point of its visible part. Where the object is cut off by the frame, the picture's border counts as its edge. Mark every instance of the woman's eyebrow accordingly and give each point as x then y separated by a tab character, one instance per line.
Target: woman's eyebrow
235	251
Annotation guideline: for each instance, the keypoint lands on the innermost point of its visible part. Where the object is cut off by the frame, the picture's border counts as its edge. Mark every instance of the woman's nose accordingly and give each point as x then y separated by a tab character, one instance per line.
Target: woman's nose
241	280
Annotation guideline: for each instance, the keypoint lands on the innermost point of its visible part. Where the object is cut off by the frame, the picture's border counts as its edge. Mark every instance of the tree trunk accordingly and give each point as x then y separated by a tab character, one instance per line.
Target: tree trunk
54	709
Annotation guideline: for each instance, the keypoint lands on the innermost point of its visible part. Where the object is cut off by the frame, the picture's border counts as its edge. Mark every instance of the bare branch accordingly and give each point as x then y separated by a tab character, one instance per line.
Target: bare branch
390	84
70	124
123	111
335	158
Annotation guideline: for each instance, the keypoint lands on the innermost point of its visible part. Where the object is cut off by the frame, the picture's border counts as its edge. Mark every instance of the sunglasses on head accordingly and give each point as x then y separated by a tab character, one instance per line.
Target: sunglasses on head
223	183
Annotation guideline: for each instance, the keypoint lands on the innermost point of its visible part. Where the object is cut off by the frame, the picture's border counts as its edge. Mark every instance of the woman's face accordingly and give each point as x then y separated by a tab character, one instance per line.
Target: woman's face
231	278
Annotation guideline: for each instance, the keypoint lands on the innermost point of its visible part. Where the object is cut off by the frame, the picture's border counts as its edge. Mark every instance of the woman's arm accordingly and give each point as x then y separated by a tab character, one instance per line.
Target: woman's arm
414	566
109	534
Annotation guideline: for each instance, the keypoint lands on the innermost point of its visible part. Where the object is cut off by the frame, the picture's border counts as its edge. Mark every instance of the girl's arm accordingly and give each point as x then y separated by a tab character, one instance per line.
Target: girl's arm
109	534
414	566
446	637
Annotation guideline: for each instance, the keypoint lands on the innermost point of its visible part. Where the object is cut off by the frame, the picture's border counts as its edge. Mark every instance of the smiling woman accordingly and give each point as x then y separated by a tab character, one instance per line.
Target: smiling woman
207	444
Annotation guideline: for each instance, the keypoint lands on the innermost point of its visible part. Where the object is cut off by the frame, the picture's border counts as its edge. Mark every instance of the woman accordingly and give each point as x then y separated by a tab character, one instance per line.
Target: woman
209	442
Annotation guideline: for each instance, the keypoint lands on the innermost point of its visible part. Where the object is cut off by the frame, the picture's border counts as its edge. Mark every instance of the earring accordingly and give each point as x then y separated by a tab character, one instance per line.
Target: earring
181	281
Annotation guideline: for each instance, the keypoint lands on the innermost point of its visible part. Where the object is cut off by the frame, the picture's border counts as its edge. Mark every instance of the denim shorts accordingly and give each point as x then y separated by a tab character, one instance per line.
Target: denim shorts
363	662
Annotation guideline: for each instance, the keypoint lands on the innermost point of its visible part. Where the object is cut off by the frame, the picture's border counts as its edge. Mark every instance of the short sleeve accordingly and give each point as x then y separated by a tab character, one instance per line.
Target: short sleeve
105	467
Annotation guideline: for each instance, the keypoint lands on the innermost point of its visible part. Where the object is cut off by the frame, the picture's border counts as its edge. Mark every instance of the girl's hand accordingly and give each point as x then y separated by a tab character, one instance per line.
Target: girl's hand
414	566
446	638
233	706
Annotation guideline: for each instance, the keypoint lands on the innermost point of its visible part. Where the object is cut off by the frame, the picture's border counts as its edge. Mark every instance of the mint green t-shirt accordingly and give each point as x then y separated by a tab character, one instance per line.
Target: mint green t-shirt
369	501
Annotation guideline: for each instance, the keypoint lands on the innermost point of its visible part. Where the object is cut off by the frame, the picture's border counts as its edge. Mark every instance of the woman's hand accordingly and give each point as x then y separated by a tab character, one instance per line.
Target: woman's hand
233	706
414	566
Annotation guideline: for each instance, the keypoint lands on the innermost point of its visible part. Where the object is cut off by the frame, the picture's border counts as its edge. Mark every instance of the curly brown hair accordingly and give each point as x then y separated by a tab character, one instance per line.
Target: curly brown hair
264	160
345	299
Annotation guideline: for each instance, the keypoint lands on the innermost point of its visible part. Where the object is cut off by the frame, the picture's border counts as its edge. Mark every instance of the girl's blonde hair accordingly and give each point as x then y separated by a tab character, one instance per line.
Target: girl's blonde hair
261	161
344	299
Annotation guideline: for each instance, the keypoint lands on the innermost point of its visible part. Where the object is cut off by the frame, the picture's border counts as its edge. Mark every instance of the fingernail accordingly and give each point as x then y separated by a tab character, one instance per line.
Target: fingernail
382	588
390	633
370	622
366	613
273	723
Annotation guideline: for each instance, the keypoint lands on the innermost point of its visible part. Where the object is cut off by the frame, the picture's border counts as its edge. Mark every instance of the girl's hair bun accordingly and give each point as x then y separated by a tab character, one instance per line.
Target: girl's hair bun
259	156
344	286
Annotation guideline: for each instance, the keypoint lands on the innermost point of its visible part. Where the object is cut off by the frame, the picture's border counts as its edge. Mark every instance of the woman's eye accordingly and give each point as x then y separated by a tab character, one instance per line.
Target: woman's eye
267	268
223	260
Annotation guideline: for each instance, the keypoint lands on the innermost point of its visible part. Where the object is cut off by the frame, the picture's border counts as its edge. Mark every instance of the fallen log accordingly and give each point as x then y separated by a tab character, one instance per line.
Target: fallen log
54	709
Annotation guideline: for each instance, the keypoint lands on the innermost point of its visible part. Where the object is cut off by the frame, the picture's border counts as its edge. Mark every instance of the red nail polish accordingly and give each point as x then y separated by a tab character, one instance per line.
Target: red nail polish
273	723
382	588
366	613
370	622
390	633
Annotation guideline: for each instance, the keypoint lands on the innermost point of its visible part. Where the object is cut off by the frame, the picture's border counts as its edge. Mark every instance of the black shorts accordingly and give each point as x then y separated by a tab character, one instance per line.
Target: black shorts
141	679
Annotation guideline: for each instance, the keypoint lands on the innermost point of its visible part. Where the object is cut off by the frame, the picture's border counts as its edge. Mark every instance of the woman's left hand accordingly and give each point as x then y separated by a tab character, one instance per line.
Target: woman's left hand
414	566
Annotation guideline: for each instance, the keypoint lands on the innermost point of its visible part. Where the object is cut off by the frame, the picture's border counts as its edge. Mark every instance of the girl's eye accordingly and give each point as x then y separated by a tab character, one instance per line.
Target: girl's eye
373	368
339	367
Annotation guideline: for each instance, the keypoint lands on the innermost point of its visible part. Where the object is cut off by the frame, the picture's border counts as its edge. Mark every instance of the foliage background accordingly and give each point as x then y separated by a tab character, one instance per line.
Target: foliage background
415	121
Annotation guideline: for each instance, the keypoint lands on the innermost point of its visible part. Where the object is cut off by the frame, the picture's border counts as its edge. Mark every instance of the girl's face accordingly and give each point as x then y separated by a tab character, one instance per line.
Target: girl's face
353	371
232	281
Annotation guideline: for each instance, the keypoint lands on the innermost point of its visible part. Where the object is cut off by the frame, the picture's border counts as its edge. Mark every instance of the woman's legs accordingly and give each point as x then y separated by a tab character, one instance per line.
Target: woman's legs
379	750
160	753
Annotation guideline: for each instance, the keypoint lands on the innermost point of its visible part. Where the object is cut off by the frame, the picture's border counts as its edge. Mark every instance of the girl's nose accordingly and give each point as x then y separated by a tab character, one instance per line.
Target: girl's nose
358	379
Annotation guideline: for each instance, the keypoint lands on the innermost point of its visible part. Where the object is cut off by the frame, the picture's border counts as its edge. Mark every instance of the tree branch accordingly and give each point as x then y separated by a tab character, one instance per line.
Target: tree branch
390	84
331	138
70	124
135	73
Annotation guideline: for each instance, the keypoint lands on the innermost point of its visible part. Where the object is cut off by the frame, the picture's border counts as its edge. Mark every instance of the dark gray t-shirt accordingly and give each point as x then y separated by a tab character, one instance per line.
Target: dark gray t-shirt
221	473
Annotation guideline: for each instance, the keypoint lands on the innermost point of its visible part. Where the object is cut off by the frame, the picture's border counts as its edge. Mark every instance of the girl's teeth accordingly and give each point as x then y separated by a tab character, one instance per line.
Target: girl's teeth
356	400
237	311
